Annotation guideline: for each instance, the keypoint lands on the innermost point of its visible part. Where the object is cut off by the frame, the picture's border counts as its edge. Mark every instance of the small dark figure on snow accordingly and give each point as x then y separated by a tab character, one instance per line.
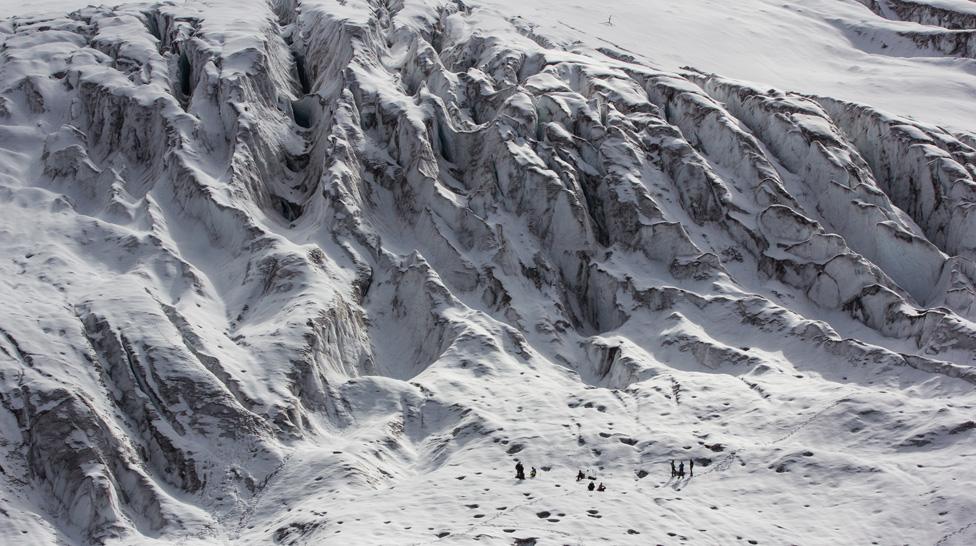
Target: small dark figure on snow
601	487
519	470
580	476
674	471
681	469
532	472
691	467
591	487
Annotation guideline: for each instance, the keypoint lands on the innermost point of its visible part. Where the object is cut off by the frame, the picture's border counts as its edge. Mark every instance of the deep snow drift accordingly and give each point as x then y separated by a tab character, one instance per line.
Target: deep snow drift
319	272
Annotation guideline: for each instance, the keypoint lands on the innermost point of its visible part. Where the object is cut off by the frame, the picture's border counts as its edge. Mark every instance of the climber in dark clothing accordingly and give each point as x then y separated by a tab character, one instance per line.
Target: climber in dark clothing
681	469
691	467
519	470
674	471
601	487
580	475
532	472
591	487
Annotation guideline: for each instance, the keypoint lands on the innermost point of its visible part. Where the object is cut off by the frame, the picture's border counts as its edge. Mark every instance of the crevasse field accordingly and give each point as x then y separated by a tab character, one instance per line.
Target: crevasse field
320	271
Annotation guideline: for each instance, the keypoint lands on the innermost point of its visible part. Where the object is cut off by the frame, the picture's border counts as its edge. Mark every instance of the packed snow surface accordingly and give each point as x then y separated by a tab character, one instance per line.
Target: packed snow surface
321	271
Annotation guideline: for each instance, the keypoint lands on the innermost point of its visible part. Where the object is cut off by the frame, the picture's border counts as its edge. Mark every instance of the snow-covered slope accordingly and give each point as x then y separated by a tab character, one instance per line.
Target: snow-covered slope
319	272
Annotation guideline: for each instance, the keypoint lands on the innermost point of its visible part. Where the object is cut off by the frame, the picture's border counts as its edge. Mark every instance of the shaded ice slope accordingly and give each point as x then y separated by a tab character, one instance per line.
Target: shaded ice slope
298	273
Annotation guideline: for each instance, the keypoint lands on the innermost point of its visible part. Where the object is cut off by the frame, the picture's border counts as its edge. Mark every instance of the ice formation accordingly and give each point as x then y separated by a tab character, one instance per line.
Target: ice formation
298	272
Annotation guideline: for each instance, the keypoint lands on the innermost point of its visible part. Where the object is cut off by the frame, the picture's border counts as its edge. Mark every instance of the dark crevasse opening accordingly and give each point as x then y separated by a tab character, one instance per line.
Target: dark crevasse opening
303	111
594	206
290	211
152	25
303	80
296	163
185	70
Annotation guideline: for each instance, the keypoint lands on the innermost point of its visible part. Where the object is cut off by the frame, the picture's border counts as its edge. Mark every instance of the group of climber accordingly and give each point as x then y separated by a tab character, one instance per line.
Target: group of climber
680	471
520	471
592	486
520	475
676	472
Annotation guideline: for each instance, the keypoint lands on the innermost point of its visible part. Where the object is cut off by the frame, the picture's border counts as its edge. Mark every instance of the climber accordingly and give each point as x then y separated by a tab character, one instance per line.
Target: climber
601	487
674	471
580	475
691	467
519	470
532	473
591	487
681	469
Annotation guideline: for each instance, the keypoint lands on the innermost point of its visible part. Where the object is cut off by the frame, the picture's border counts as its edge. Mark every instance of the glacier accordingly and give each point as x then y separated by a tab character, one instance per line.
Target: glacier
321	271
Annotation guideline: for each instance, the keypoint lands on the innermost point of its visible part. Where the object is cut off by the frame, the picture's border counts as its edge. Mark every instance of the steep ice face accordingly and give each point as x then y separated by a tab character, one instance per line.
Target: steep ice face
299	271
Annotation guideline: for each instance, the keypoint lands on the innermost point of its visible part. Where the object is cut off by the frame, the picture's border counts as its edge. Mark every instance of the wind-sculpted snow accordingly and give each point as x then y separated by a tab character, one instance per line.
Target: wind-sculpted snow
316	272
